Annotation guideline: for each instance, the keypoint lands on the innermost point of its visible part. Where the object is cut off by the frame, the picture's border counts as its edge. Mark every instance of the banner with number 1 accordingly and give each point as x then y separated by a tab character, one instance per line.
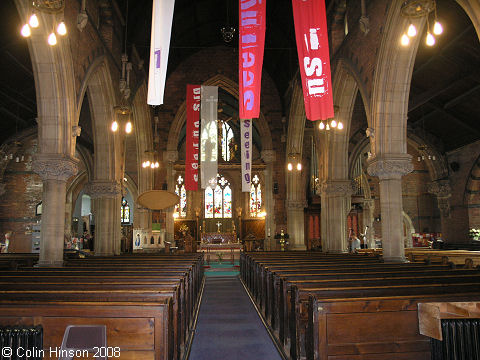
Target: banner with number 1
162	16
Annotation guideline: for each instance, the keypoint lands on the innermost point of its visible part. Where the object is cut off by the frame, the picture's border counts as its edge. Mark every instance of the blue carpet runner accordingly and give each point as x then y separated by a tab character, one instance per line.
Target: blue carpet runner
228	326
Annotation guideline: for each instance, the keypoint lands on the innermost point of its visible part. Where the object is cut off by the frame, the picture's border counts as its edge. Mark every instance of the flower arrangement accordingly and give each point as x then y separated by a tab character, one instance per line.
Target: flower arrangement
474	234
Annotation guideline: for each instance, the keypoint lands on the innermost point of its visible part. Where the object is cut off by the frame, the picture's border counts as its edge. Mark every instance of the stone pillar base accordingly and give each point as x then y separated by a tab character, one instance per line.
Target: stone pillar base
47	263
394	259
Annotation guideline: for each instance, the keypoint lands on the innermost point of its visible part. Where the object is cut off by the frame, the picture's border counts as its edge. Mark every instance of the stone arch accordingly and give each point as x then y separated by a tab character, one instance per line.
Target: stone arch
408	223
472	9
231	87
391	85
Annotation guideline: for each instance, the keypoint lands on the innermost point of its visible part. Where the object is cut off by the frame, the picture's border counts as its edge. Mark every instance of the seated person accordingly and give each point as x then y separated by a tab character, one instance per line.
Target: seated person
354	243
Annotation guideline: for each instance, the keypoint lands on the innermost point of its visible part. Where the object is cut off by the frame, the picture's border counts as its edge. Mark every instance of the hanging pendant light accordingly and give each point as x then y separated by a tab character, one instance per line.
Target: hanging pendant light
26	31
52	39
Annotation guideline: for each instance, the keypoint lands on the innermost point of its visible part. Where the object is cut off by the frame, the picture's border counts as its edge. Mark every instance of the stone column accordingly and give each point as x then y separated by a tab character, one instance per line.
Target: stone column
443	191
54	170
336	204
367	214
170	157
296	224
269	156
106	197
390	168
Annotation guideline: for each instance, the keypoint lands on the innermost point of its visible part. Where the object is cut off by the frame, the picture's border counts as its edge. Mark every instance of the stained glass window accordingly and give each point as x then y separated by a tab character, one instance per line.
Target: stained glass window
255	197
218	199
228	142
125	211
181	209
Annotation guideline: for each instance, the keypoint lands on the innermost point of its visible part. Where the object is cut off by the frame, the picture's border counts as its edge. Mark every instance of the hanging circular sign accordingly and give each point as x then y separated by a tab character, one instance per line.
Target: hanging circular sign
158	199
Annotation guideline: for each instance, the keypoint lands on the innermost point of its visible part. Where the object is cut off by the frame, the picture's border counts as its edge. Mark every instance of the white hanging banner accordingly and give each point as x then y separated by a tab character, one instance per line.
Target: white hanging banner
246	139
162	16
209	135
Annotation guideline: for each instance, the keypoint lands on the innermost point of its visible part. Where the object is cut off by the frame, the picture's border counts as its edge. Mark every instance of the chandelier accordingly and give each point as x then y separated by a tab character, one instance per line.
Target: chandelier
294	157
332	124
424	155
152	161
48	6
414	9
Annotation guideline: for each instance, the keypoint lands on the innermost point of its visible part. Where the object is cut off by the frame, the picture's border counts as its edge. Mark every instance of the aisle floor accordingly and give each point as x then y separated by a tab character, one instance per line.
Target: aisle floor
228	326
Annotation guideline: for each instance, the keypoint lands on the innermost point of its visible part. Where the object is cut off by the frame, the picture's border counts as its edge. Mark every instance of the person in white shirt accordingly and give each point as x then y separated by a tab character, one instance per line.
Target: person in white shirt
355	243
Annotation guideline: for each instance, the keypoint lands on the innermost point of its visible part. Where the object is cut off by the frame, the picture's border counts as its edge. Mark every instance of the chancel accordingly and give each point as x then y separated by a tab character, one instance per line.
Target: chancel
166	164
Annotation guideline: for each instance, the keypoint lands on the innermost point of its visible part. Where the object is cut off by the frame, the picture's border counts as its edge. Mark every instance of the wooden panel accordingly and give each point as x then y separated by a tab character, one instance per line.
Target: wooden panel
389	356
127	333
16	321
255	227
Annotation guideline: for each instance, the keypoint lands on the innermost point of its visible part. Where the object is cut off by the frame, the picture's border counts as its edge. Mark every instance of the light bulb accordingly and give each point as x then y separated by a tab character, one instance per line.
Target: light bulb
299	166
290	167
144	165
423	157
62	29
128	127
437	28
405	40
434	158
327	127
412	31
152	165
321	126
33	21
333	124
26	32
52	39
429	157
340	125
23	158
17	159
114	126
419	159
157	165
147	163
430	40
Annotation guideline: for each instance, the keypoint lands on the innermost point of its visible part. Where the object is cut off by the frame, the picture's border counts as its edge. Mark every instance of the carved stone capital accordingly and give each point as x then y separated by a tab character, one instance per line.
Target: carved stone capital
391	166
296	204
54	167
76	131
440	188
104	189
170	156
269	156
337	188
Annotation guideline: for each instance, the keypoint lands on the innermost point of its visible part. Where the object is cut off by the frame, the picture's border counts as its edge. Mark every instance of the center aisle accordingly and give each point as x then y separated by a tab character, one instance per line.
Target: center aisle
228	326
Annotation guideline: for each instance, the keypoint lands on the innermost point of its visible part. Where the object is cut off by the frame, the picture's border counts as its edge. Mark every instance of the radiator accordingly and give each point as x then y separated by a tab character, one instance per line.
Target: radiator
26	343
461	340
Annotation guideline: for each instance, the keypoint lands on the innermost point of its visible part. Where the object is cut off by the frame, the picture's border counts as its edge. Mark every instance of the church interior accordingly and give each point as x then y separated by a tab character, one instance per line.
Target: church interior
369	218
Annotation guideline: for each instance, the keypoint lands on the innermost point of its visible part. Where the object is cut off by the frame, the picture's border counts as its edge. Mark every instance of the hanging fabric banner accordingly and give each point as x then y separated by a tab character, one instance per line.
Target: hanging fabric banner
162	16
251	46
209	135
246	142
313	57
193	137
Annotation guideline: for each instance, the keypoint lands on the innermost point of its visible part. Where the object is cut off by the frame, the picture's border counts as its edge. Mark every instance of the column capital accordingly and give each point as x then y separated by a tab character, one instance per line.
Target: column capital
104	189
54	166
440	188
170	156
336	188
269	156
390	166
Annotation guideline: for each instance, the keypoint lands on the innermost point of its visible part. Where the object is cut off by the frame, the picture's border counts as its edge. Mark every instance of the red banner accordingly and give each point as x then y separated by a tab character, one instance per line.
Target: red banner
251	45
313	57
193	137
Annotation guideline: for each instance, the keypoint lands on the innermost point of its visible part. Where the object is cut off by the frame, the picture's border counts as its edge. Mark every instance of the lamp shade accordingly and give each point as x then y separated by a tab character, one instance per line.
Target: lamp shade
158	199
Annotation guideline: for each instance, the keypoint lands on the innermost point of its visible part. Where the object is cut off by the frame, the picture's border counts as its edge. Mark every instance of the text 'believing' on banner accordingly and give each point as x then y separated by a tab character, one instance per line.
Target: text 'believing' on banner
313	57
251	47
193	137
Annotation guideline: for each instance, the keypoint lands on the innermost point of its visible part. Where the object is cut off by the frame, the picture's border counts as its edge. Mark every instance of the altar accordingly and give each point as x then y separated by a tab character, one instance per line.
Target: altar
219	238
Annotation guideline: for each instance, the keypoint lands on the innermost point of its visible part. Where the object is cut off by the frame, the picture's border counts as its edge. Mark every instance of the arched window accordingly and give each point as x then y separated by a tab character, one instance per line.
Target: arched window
255	197
218	199
125	211
181	209
227	142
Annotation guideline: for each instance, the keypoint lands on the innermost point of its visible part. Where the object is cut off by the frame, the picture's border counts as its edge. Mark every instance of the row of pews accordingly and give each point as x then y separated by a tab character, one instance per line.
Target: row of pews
343	306
455	258
147	302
